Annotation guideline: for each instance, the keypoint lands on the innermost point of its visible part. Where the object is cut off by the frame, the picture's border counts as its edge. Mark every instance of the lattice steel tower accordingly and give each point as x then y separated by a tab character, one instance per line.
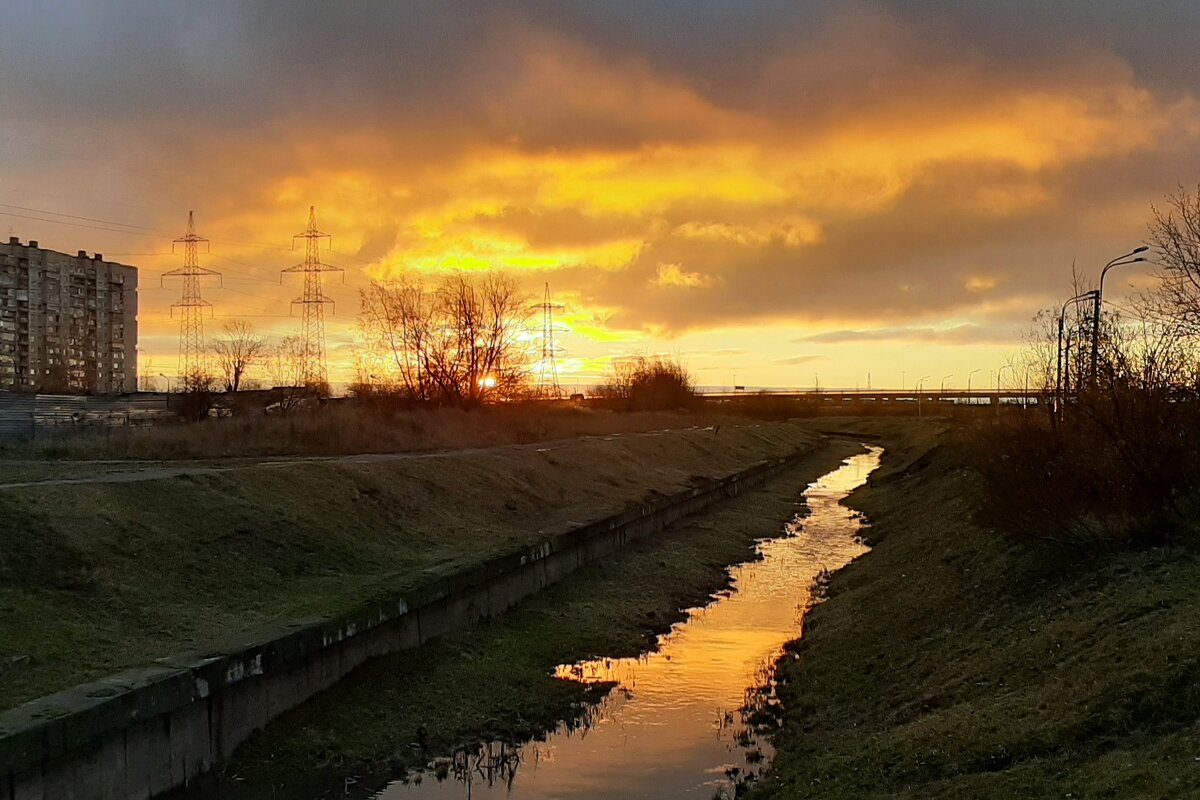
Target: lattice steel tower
312	327
547	370
193	360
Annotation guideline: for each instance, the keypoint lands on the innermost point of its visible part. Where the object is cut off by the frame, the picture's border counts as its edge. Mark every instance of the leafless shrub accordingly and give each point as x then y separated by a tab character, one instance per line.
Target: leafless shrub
284	364
196	397
648	383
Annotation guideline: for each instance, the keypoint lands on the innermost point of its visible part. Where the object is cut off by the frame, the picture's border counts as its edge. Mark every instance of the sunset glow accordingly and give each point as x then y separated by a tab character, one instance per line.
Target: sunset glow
830	193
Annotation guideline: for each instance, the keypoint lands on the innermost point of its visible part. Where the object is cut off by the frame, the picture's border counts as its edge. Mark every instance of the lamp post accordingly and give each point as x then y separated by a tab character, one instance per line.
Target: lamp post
942	390
1058	378
1119	261
999	373
969	374
920	388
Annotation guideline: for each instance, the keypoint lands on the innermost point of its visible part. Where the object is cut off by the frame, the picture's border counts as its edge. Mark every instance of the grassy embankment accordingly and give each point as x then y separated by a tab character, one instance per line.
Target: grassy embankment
103	576
348	427
495	680
342	428
956	662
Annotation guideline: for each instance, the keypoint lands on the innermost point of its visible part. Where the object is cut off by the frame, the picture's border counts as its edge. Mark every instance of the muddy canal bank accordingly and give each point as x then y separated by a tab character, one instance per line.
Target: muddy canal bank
496	681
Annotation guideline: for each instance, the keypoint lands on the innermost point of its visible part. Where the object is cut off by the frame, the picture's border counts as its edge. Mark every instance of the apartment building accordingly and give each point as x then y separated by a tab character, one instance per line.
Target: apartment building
68	323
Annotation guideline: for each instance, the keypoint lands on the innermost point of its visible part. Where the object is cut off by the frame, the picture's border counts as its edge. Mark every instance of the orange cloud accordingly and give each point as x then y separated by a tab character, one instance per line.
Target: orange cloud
863	173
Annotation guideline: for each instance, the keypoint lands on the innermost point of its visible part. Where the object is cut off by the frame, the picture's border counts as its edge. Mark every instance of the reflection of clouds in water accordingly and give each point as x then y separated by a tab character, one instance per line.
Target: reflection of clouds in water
687	719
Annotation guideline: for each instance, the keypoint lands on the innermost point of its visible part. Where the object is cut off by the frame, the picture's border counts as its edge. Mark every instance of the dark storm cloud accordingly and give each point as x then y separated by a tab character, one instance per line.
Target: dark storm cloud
387	59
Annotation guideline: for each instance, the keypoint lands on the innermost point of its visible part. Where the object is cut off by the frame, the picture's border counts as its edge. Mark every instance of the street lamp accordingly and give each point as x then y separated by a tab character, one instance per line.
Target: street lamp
920	387
1058	379
945	378
1000	372
1119	261
969	374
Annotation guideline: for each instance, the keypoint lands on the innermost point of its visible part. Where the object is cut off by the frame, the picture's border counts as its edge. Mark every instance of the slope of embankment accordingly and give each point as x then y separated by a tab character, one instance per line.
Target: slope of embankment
952	661
496	682
99	576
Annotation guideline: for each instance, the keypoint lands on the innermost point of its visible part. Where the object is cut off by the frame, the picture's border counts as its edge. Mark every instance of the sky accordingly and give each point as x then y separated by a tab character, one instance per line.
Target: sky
779	193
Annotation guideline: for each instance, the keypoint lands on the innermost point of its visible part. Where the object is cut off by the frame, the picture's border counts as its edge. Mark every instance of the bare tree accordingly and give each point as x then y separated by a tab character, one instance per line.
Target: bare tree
237	350
1175	235
457	343
398	321
284	365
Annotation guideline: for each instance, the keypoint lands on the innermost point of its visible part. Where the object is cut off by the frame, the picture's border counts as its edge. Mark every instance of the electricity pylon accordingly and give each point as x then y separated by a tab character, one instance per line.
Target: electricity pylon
193	360
313	372
547	370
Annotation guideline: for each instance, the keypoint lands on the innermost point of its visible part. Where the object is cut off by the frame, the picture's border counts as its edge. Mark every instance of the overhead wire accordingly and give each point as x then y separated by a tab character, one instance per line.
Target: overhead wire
113	226
79	224
75	216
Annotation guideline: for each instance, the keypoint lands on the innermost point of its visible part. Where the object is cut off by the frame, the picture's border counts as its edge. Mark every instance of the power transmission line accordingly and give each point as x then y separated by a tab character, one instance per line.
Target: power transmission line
74	216
313	371
547	385
77	224
192	358
112	226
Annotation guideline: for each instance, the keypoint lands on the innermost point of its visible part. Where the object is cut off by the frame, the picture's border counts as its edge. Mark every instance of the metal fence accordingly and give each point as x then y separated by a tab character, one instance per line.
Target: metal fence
28	416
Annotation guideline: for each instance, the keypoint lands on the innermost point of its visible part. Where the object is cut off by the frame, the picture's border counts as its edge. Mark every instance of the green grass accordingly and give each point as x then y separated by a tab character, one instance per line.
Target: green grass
495	680
955	662
100	577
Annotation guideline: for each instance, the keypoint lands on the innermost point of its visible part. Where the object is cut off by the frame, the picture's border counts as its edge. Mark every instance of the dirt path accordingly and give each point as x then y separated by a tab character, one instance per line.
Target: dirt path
161	470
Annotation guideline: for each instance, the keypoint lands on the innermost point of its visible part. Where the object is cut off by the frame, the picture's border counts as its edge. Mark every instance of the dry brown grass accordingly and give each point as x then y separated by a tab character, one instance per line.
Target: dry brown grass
346	427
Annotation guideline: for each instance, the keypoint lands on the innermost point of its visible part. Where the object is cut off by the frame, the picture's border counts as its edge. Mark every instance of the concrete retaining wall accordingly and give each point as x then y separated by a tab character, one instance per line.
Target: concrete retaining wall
143	732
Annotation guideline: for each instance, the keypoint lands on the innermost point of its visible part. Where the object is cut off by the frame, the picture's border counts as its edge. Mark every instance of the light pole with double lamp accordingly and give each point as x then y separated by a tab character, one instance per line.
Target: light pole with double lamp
1119	261
1058	379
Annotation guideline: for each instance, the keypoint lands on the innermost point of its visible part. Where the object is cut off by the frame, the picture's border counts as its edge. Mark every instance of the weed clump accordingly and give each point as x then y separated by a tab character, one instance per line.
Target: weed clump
1121	465
649	384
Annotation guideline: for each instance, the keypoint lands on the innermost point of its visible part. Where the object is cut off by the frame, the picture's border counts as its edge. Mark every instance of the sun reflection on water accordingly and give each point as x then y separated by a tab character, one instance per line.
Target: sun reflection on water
689	718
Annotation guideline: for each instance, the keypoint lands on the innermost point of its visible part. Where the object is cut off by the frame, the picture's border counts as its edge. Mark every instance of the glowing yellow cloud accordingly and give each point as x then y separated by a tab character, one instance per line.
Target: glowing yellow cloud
674	275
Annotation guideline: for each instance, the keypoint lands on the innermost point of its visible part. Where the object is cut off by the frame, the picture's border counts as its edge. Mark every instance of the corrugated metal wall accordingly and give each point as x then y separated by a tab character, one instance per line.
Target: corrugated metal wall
16	416
25	416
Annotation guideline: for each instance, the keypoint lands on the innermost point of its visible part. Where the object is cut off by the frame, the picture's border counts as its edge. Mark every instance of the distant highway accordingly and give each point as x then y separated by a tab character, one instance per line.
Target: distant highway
975	396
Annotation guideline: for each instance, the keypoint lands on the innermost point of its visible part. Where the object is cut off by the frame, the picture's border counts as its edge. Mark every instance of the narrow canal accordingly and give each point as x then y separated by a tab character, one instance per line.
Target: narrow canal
677	723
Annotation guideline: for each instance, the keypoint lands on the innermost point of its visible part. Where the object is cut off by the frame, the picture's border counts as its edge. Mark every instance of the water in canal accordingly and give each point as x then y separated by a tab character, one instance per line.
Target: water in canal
676	724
